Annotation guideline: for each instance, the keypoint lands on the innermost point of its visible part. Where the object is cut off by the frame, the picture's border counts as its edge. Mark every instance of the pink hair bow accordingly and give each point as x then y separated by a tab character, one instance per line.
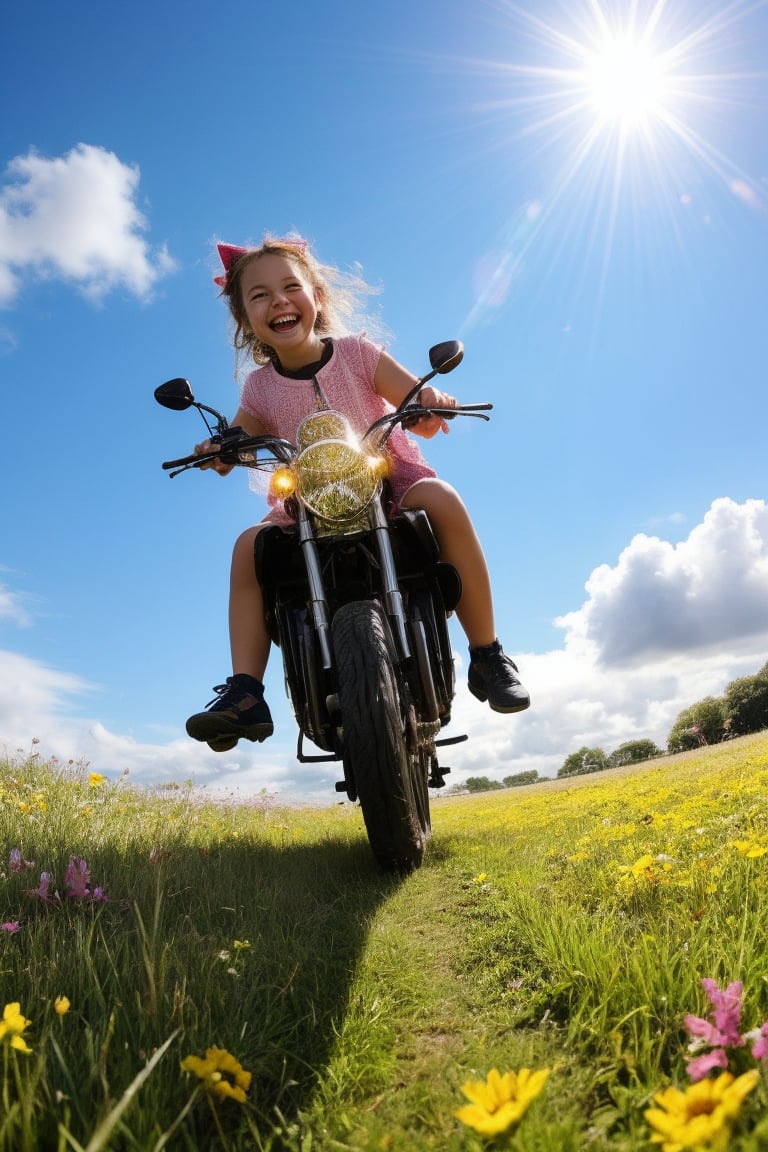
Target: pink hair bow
229	254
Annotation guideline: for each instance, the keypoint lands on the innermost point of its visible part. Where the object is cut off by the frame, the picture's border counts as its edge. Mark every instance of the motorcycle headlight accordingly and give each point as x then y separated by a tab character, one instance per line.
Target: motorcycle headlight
336	480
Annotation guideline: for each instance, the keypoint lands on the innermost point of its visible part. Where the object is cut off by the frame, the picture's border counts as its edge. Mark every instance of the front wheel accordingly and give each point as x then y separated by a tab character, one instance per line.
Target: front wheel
376	754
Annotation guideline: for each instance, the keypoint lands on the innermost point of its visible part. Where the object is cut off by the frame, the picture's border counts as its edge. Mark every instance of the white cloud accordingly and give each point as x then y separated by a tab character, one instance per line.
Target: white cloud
11	607
75	218
709	590
665	627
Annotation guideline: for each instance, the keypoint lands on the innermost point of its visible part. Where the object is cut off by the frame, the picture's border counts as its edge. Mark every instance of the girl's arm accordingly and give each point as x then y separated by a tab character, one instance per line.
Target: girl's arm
393	382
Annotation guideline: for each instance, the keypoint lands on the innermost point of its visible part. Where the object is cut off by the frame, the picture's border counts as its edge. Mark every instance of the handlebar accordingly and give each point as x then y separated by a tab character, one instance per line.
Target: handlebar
234	445
232	452
414	412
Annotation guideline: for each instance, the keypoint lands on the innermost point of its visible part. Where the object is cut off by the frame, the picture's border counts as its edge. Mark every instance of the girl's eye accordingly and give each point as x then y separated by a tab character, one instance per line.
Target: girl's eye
258	295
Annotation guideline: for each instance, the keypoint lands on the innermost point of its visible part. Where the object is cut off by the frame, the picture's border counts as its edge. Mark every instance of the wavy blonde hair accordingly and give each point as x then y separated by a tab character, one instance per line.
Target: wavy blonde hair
338	295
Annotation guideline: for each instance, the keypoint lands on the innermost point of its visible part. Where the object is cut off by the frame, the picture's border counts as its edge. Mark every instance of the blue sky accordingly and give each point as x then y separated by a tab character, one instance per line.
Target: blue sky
577	191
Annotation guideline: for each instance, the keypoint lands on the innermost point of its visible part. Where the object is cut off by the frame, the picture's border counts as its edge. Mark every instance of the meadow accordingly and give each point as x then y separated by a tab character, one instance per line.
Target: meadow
181	973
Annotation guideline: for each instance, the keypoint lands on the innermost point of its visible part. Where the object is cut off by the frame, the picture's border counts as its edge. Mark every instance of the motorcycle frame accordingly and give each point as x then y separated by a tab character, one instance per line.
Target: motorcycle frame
298	601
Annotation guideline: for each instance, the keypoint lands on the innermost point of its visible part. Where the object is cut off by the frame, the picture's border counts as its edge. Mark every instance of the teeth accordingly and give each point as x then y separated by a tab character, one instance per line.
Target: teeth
284	320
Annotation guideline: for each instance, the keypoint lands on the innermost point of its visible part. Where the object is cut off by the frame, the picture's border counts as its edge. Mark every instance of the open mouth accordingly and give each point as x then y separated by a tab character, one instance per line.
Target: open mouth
284	323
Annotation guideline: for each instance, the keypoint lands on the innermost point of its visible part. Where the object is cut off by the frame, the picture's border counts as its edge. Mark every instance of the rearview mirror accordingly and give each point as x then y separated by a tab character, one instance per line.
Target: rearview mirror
175	394
446	356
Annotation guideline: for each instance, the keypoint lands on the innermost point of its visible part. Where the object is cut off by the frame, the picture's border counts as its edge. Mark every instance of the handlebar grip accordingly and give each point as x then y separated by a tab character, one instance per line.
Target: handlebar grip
184	461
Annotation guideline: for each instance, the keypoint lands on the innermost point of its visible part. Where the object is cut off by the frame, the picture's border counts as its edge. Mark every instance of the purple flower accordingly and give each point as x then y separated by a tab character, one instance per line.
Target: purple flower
16	861
42	891
99	893
701	1066
10	926
727	1006
703	1033
77	878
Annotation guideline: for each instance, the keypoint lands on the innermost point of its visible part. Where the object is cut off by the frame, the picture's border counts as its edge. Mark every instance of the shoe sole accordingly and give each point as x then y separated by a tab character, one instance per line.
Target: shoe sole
222	743
213	730
504	709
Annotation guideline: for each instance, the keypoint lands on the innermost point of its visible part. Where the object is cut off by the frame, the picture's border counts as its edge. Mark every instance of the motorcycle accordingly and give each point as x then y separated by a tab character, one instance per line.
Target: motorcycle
358	601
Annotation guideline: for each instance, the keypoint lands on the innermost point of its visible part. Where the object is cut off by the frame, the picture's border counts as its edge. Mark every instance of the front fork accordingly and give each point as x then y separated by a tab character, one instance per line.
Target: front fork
393	600
317	596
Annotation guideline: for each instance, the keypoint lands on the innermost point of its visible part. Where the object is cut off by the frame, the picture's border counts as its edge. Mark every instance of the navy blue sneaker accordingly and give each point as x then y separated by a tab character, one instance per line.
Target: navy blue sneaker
493	677
238	710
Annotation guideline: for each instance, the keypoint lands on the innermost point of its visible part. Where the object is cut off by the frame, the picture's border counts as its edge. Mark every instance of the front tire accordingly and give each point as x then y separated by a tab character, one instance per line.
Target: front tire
374	737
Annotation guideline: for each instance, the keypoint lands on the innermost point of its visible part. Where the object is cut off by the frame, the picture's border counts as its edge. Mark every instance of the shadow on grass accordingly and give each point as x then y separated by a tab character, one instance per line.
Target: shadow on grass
251	943
268	942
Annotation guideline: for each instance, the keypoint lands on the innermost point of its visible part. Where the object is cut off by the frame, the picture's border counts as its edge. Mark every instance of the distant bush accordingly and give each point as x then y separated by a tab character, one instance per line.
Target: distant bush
746	703
481	784
633	752
520	779
702	723
584	761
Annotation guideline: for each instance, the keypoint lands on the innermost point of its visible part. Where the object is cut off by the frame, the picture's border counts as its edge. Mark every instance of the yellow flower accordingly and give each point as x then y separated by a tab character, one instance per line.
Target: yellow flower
94	779
481	878
699	1117
61	1005
642	869
215	1068
12	1025
500	1101
750	848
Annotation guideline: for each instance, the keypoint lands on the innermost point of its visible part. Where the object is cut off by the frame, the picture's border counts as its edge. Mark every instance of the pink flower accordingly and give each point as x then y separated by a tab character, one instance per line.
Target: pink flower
718	1033
77	878
16	861
727	1012
760	1048
99	893
701	1066
703	1033
42	891
10	926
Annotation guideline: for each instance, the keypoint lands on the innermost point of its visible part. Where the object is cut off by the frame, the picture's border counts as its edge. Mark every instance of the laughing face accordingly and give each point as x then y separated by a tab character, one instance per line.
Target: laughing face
281	309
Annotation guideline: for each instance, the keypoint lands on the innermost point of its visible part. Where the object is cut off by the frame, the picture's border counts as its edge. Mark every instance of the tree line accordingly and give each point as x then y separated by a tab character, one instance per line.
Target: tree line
742	709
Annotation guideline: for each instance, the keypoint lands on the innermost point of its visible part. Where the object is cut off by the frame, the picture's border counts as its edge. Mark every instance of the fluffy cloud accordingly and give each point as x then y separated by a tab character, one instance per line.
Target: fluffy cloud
74	217
709	590
663	628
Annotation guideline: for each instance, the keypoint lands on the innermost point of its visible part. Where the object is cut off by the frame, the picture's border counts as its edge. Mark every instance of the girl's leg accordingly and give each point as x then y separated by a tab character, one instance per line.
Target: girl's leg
240	710
459	546
492	675
248	637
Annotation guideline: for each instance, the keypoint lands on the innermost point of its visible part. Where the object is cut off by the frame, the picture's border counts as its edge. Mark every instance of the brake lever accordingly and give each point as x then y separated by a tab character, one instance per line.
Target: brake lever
421	412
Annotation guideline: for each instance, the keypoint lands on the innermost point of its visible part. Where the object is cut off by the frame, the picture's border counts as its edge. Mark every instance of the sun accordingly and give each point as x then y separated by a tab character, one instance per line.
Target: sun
626	83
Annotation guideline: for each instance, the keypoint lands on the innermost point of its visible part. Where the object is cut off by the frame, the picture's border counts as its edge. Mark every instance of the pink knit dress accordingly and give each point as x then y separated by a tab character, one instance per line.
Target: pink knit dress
280	403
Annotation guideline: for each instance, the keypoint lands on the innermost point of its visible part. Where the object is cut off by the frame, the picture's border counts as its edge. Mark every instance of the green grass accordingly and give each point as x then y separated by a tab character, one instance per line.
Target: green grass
565	926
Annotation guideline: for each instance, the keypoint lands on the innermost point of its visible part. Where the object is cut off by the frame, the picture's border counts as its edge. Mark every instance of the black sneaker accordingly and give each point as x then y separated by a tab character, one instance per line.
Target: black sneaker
493	677
238	710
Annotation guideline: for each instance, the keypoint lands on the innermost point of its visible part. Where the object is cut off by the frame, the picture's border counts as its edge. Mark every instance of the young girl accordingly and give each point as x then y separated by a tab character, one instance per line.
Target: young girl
288	311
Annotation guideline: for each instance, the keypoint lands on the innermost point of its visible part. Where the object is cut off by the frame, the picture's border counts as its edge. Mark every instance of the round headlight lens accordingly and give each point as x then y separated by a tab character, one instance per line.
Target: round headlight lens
336	481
